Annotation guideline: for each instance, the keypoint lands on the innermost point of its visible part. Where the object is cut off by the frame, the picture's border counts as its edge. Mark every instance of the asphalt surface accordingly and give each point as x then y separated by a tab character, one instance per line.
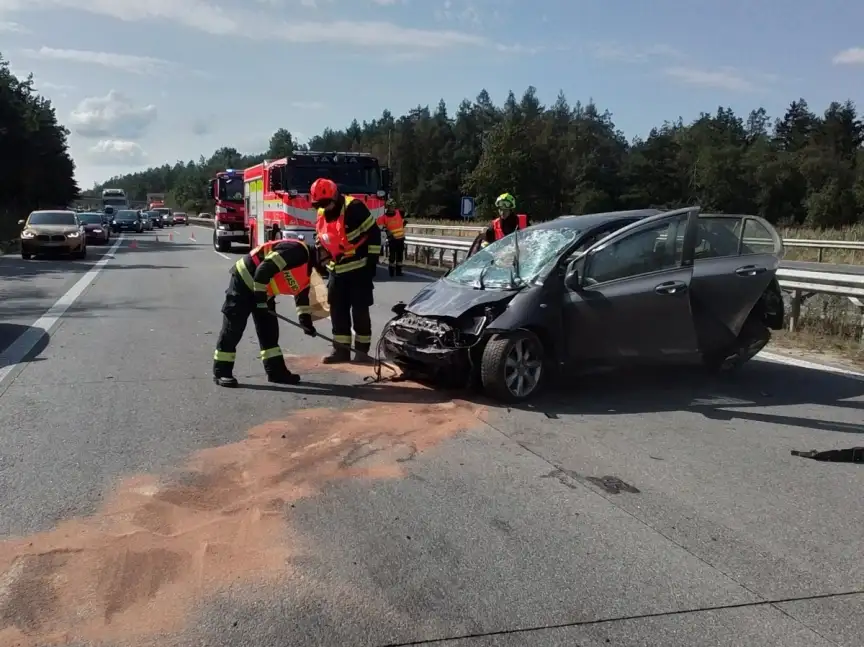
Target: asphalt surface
143	505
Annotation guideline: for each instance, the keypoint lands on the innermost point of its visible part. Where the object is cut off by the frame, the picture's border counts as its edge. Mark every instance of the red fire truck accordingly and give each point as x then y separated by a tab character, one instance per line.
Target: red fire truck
229	218
277	192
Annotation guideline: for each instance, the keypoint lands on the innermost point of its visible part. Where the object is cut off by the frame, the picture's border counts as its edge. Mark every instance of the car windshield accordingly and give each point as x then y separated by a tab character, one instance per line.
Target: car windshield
114	202
127	215
90	218
231	189
356	178
51	218
538	249
162	212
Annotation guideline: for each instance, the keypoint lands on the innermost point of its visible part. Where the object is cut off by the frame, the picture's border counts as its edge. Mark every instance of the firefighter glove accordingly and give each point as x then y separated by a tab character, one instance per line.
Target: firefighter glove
306	325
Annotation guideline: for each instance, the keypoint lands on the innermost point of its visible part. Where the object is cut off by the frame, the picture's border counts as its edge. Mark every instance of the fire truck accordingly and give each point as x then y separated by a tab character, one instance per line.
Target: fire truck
277	191
229	218
155	200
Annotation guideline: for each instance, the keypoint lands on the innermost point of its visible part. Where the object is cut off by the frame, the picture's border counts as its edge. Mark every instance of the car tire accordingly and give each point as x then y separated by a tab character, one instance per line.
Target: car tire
221	245
26	256
496	375
754	336
81	254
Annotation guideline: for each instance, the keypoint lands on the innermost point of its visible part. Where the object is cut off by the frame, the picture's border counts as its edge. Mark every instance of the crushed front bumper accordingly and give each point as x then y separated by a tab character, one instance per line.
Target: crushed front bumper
427	346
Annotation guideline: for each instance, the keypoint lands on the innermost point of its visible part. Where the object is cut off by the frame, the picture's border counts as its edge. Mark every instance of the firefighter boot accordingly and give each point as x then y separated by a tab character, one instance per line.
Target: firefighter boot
228	381
339	355
361	352
223	372
392	271
278	373
398	270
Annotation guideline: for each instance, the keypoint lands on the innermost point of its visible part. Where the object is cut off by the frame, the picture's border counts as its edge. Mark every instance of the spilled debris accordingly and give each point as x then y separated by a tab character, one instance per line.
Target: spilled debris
134	570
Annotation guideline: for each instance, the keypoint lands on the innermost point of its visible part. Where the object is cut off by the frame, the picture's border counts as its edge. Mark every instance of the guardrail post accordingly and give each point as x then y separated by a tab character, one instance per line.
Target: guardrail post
441	257
795	310
455	256
821	252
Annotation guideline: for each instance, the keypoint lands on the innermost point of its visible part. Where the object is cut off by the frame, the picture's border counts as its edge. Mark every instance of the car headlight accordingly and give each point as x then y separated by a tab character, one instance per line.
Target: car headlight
74	234
28	234
223	227
97	231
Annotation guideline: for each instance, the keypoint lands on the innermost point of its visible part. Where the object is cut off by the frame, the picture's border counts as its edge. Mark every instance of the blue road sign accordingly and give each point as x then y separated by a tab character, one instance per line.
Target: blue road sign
467	207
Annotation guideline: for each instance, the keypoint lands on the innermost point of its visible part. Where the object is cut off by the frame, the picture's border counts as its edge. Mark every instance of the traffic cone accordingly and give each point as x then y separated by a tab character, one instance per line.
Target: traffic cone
192	236
171	237
133	244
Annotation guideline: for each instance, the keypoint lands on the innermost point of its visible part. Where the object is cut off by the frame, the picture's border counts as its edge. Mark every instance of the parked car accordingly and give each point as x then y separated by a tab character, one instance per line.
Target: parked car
95	229
127	220
180	218
52	232
205	214
146	221
607	289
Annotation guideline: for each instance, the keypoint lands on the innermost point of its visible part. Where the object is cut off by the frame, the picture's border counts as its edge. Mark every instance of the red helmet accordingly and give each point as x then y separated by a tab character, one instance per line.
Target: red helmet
323	190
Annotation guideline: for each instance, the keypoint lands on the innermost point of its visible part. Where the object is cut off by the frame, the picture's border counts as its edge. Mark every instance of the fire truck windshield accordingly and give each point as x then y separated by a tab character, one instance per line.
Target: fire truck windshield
351	179
114	202
231	189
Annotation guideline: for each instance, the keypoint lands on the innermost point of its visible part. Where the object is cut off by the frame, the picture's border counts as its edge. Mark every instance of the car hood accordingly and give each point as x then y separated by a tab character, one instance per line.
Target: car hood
91	226
52	229
445	299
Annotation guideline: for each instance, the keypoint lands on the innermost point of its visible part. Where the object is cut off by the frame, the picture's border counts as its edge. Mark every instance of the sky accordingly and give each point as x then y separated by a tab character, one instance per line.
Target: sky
143	82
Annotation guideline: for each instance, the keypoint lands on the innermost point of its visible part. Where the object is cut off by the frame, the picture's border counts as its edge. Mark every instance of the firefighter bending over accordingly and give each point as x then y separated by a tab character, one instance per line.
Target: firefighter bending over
276	267
507	221
348	236
393	222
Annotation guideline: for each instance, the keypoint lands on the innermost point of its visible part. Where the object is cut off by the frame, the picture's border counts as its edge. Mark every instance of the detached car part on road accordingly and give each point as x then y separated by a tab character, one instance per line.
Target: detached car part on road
622	288
53	232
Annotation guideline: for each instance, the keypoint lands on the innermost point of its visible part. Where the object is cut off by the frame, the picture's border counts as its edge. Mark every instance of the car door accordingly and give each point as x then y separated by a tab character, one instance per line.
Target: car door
633	304
735	258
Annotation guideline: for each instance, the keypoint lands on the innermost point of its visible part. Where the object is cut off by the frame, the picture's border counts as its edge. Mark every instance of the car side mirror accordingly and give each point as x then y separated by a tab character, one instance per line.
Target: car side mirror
21	222
572	281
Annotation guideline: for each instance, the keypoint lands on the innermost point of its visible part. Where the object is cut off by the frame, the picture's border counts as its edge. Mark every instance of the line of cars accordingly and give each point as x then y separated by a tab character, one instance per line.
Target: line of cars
66	232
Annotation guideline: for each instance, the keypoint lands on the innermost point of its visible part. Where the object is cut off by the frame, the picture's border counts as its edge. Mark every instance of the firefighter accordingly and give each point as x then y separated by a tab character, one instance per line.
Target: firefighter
507	221
350	240
276	267
394	224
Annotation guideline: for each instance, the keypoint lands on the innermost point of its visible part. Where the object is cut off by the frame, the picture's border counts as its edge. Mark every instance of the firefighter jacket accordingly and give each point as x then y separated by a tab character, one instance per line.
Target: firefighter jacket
500	228
353	241
278	267
394	223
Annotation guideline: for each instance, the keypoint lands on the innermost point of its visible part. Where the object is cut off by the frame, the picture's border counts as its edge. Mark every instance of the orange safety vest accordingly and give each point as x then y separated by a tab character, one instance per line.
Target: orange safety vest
394	223
289	281
332	235
499	231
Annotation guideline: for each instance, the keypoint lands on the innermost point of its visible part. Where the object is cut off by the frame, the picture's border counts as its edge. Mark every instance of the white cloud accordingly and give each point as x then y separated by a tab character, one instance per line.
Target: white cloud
13	28
113	117
724	78
125	62
307	105
851	56
117	152
611	51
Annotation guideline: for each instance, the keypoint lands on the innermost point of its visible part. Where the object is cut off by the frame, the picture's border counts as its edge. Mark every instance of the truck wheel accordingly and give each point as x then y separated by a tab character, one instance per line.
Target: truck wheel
512	366
220	244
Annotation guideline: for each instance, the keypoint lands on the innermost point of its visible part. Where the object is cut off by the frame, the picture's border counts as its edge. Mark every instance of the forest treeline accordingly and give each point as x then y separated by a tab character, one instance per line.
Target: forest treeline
802	168
36	171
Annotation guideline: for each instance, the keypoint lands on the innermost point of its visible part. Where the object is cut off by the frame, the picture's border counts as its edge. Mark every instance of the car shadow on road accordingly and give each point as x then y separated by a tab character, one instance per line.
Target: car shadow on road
9	333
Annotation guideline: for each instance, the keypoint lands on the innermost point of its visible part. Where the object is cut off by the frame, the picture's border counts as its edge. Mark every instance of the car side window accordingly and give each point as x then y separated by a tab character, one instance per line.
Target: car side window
641	252
717	237
757	238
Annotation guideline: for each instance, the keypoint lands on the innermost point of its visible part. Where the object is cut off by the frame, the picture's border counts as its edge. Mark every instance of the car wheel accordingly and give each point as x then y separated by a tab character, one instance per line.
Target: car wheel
26	256
81	253
221	245
512	366
754	336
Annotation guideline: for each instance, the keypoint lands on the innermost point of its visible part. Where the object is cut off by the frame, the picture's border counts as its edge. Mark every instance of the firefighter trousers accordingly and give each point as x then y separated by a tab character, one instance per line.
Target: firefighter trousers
238	307
350	298
395	252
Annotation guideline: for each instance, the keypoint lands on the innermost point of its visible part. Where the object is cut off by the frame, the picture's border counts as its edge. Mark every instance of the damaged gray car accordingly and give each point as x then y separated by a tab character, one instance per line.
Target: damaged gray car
610	289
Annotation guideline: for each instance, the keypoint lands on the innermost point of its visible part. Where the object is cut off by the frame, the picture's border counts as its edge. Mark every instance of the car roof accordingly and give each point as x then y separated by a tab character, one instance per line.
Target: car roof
592	220
67	211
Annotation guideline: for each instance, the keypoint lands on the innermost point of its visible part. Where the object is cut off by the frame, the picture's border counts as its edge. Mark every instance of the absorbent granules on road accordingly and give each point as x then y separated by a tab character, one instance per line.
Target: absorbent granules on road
133	572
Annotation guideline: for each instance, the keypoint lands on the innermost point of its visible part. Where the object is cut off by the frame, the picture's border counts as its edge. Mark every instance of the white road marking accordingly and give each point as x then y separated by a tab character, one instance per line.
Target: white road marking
225	256
803	363
14	355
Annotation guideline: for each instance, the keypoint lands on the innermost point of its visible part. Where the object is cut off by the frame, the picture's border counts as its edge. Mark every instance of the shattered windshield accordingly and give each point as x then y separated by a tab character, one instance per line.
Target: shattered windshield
537	249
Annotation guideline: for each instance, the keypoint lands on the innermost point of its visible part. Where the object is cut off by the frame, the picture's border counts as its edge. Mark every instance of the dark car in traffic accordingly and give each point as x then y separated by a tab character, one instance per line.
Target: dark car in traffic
155	218
166	215
52	232
611	289
95	228
127	220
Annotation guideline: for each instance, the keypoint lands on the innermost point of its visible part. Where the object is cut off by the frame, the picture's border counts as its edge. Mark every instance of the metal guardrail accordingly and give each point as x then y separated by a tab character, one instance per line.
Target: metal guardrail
800	284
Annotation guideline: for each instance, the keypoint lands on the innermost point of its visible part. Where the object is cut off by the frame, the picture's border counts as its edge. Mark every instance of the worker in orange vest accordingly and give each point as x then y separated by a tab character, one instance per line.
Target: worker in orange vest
507	221
348	236
276	267
394	224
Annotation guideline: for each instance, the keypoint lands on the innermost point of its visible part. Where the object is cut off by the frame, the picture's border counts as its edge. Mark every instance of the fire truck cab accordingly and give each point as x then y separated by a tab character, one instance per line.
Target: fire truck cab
229	218
277	191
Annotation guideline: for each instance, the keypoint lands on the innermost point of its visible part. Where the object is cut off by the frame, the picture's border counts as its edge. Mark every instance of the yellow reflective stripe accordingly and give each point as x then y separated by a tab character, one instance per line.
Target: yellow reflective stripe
304	310
222	356
270	353
244	274
350	267
363	339
342	339
374	249
484	243
362	229
397	232
276	258
260	287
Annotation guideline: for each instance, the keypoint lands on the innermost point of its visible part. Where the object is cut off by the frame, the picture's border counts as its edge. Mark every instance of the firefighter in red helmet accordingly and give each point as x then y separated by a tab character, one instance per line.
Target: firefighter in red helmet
351	241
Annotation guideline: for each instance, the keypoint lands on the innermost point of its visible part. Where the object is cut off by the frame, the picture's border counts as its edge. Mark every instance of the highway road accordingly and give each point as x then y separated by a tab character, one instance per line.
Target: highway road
143	505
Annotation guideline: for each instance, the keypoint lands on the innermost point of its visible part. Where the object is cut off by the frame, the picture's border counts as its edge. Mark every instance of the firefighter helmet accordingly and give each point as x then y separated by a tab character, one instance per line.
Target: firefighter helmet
323	190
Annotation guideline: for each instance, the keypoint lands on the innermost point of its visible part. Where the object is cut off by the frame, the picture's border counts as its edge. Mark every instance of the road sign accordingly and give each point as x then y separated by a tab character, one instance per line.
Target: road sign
467	207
